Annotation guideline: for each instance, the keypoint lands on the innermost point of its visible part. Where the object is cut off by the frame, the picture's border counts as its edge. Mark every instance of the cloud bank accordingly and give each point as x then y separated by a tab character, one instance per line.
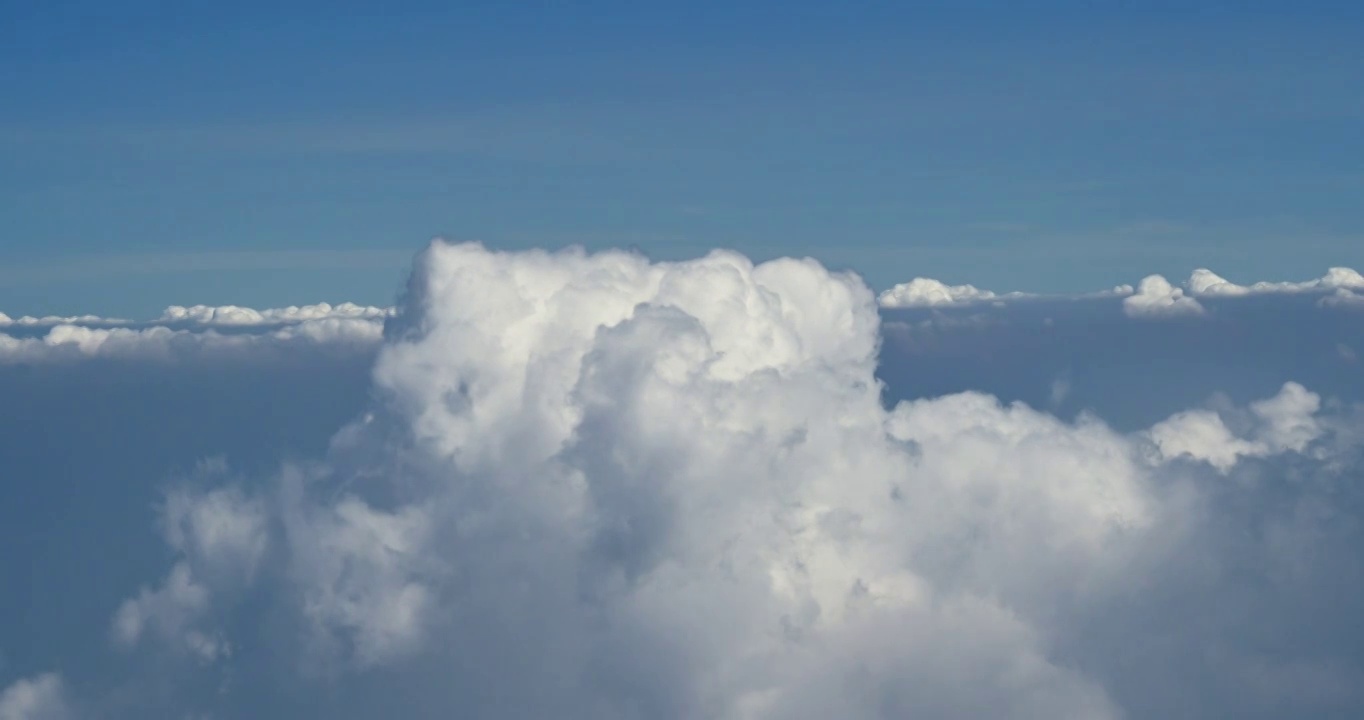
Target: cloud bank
589	485
1153	297
182	332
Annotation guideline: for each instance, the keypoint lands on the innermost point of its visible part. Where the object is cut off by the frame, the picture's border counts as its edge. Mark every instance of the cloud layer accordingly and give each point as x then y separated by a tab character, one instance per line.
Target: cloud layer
589	485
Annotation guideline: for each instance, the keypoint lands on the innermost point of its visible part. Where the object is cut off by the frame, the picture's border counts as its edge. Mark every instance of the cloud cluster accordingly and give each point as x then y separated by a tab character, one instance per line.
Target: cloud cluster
1153	297
1206	282
595	486
66	341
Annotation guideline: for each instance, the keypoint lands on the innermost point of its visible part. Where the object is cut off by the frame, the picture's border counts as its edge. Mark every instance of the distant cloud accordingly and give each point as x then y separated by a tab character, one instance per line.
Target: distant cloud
234	315
1206	282
926	292
1156	297
1286	424
85	267
182	330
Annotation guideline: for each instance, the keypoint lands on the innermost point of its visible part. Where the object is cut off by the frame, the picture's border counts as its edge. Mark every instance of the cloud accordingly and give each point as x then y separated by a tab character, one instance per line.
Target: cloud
591	485
926	292
1286	424
1205	282
29	320
1344	299
66	342
42	697
1156	297
233	315
673	489
220	538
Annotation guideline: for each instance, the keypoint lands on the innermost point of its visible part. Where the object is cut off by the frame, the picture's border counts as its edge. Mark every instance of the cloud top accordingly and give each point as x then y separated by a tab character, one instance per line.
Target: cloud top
1156	297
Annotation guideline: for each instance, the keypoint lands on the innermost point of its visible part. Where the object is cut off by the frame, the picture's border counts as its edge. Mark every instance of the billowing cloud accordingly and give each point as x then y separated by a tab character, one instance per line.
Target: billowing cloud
590	485
1156	297
673	490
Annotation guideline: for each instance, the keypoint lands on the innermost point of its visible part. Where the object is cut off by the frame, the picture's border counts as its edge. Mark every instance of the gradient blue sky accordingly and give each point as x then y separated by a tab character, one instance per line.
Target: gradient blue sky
154	153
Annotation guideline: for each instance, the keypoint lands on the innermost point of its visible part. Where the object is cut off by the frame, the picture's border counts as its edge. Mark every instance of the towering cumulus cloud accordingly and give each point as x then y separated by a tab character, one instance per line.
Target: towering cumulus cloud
593	486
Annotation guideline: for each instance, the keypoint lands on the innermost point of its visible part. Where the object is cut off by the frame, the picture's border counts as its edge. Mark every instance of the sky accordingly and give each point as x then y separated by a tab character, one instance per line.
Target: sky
593	485
727	362
288	153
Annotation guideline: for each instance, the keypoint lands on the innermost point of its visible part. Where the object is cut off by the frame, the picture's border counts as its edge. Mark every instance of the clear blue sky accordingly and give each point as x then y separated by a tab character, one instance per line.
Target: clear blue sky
262	154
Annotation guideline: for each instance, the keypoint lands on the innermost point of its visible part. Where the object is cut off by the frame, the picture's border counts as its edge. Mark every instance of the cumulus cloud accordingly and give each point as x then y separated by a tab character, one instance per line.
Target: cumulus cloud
42	697
927	292
1156	297
674	490
1206	282
1286	423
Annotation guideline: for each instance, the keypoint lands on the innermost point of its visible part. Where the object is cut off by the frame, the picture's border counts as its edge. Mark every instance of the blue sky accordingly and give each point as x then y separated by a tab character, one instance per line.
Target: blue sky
265	154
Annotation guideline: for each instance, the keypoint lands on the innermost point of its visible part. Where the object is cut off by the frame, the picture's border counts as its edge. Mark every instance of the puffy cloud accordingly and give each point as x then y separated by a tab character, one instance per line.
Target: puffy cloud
1206	282
1156	297
1285	422
927	292
674	490
596	486
42	697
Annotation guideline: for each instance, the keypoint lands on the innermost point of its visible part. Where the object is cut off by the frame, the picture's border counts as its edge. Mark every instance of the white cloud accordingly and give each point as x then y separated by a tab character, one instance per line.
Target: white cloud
1285	423
1156	297
31	321
673	489
236	316
927	292
71	342
1206	282
42	697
